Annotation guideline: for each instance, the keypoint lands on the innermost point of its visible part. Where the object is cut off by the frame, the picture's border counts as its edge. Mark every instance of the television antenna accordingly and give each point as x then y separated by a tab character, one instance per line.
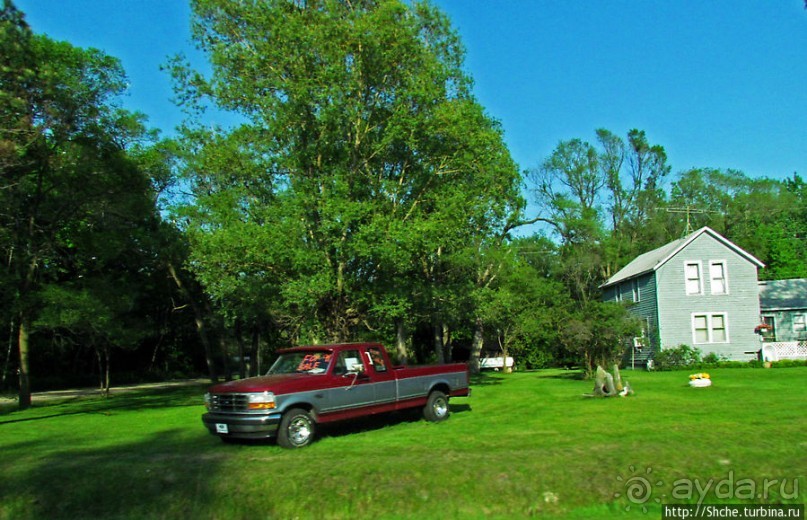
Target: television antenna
689	211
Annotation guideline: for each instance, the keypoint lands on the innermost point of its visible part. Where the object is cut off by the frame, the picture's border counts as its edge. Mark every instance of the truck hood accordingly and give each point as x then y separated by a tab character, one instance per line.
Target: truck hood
277	384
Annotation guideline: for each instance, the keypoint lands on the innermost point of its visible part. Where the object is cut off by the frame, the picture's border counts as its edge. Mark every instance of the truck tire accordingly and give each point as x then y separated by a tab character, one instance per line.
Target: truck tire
296	429
436	408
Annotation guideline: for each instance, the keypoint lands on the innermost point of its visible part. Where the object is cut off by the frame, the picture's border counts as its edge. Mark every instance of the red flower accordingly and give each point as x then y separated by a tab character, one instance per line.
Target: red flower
762	328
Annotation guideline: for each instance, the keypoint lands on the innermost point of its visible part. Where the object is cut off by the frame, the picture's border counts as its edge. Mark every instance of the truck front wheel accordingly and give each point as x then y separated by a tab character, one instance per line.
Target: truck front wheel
436	408
296	429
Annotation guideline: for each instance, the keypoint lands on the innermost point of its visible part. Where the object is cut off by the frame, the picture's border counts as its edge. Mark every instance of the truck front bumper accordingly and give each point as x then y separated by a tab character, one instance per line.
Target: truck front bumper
242	426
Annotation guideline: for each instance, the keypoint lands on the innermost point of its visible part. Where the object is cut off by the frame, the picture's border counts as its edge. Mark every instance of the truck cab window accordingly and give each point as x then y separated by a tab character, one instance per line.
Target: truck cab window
347	361
378	359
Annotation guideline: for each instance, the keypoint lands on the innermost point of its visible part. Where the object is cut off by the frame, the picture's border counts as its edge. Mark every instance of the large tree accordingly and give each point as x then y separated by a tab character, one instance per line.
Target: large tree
71	200
359	169
602	203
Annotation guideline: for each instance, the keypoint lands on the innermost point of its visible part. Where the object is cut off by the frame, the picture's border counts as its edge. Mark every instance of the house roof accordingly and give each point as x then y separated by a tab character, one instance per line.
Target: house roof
652	260
783	294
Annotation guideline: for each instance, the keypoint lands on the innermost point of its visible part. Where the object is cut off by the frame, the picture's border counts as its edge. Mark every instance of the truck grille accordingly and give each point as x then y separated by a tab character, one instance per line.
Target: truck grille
228	403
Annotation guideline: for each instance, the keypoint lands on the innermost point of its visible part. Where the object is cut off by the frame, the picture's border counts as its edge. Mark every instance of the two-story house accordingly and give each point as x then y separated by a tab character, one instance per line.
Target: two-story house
700	291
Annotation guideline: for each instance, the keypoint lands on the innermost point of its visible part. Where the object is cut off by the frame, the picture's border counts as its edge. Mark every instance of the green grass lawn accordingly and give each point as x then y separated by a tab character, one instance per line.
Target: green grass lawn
527	444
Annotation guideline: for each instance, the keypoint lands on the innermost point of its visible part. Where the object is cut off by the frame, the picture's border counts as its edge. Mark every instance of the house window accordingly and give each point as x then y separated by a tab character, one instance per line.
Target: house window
717	275
710	328
799	323
769	334
635	287
692	272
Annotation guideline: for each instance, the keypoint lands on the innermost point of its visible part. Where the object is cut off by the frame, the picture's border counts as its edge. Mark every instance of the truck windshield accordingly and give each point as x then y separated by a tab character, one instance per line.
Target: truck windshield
301	363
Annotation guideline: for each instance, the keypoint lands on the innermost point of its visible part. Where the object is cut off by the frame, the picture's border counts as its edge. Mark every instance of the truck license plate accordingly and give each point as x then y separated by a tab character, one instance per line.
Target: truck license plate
222	428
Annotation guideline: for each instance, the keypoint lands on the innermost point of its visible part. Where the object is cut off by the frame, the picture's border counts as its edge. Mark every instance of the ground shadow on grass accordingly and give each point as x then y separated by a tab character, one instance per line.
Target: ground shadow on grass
362	424
166	474
378	422
486	379
146	398
568	375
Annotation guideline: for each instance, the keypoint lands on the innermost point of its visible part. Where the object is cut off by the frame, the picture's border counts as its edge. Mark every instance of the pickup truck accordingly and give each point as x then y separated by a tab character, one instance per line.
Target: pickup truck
308	386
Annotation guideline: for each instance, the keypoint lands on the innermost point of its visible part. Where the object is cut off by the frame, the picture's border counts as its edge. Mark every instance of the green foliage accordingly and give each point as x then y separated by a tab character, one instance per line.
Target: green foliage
78	222
599	334
361	178
763	216
523	311
680	357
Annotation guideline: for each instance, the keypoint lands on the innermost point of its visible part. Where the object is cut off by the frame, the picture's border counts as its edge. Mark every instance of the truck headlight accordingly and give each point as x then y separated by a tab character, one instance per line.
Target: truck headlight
261	401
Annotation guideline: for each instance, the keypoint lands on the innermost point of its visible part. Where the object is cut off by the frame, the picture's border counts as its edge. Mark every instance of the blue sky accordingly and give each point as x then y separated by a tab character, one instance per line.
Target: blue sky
718	83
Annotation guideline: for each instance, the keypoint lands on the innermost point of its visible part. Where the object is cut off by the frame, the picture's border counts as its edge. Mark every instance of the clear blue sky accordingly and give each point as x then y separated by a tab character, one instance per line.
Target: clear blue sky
718	83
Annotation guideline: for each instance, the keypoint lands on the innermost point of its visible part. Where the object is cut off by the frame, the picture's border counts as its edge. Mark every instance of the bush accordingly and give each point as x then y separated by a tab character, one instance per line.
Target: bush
712	359
682	356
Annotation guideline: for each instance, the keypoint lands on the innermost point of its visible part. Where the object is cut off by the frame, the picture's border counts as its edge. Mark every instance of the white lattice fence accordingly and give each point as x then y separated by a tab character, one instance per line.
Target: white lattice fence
784	350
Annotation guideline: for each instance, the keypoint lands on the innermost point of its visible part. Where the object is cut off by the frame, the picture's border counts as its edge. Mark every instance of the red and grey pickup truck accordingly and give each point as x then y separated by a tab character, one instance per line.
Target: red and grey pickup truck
313	385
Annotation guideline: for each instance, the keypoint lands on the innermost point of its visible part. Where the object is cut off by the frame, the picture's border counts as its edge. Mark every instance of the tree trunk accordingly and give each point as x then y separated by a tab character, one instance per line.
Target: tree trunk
225	358
242	362
437	335
23	335
103	355
256	351
447	344
11	328
476	346
25	382
400	341
198	317
505	351
107	363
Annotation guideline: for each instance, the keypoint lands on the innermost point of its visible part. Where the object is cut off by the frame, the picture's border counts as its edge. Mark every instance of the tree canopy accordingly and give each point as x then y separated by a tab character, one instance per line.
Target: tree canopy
363	172
335	180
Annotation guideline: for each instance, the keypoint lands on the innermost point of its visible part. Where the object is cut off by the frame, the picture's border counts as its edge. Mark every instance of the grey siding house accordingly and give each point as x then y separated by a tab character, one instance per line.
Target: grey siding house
783	305
701	290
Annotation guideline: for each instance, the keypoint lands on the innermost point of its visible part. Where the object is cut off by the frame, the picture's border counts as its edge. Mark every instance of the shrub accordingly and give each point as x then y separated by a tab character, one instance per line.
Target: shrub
712	359
682	356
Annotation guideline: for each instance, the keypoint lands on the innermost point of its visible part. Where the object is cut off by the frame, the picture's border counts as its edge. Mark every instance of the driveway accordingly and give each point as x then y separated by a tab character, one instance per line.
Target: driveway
39	397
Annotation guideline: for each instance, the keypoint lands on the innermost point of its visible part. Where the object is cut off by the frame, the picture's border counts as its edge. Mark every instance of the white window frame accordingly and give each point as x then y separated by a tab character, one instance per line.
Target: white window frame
724	279
699	265
637	294
710	328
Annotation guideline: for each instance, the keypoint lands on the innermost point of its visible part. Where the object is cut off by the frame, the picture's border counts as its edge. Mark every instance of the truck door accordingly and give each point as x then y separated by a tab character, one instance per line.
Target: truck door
355	389
381	376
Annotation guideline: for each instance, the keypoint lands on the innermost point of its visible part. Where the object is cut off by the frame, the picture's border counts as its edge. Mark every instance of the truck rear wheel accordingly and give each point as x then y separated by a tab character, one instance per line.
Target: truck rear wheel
296	429
436	408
